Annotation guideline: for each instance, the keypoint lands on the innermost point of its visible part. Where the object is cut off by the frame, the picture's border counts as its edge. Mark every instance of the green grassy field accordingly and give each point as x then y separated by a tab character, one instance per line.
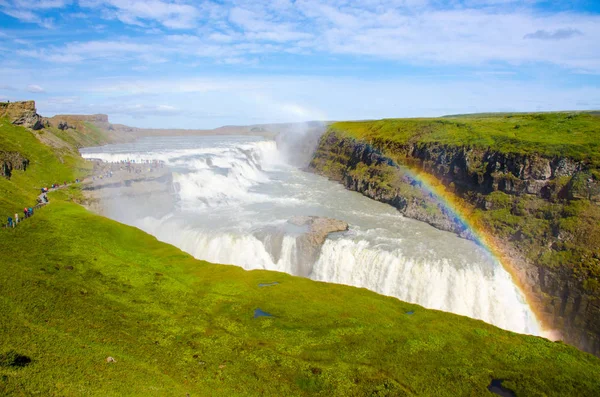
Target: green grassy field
574	135
76	288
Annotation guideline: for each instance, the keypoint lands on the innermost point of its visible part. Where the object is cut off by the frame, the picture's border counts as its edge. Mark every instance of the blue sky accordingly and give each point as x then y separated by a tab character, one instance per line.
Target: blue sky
201	64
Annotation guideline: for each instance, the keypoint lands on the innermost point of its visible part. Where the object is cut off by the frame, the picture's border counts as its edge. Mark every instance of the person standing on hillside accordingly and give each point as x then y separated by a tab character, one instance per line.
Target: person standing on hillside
25	213
16	218
10	222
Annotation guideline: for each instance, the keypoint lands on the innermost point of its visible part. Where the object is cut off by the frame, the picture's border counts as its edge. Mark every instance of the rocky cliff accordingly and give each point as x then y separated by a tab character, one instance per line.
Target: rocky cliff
362	168
22	113
542	211
485	171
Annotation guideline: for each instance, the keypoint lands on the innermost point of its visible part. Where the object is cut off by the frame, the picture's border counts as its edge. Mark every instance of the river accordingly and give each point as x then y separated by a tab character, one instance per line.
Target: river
231	201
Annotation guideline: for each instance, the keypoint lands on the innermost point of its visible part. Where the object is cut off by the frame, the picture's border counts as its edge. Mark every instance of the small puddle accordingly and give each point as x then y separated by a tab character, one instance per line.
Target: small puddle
496	387
260	313
410	313
268	284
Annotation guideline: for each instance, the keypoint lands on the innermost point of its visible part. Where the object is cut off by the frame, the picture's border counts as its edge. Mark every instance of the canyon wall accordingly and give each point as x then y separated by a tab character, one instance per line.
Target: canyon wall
543	212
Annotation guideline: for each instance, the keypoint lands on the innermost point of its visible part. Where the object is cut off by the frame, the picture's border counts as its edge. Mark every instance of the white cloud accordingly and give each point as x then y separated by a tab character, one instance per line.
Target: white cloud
170	14
36	89
175	86
394	30
77	52
30	10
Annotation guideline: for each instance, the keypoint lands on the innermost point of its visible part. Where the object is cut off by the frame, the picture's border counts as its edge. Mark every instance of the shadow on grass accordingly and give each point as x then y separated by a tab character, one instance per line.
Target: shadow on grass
496	387
13	359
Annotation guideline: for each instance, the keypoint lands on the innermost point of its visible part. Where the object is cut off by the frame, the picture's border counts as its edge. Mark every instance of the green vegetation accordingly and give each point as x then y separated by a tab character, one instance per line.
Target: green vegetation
77	288
553	234
574	135
47	165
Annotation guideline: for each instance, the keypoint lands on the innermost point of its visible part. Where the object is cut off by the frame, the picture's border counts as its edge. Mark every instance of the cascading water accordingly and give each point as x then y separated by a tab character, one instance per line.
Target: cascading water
233	198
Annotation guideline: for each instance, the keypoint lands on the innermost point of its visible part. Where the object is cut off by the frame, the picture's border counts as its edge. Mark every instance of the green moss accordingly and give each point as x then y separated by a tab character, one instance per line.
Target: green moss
574	135
499	200
362	171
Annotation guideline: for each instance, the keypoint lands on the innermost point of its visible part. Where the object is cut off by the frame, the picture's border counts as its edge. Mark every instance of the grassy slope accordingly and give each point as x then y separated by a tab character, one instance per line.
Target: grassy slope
47	166
575	135
176	325
159	313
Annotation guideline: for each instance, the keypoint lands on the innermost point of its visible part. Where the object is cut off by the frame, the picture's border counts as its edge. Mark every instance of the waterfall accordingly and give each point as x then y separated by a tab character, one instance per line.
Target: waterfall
235	195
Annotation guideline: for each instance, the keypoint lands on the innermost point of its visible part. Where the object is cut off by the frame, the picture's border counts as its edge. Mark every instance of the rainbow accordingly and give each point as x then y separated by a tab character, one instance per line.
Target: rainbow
463	215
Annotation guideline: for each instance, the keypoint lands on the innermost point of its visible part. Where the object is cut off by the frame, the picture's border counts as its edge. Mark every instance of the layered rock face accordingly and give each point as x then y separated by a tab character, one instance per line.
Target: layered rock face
22	113
486	171
533	190
364	169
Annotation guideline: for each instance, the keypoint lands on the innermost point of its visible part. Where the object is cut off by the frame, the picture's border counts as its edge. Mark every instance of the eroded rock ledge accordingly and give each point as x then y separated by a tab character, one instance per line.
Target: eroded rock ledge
309	243
310	233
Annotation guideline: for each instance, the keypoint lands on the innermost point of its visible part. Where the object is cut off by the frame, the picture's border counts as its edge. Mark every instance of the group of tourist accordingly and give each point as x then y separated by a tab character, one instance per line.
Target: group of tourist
28	211
131	166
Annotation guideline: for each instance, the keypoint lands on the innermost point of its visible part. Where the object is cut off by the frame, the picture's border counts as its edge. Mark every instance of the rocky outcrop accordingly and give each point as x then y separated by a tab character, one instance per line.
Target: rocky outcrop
63	125
22	113
362	168
10	161
485	171
309	244
564	291
309	232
